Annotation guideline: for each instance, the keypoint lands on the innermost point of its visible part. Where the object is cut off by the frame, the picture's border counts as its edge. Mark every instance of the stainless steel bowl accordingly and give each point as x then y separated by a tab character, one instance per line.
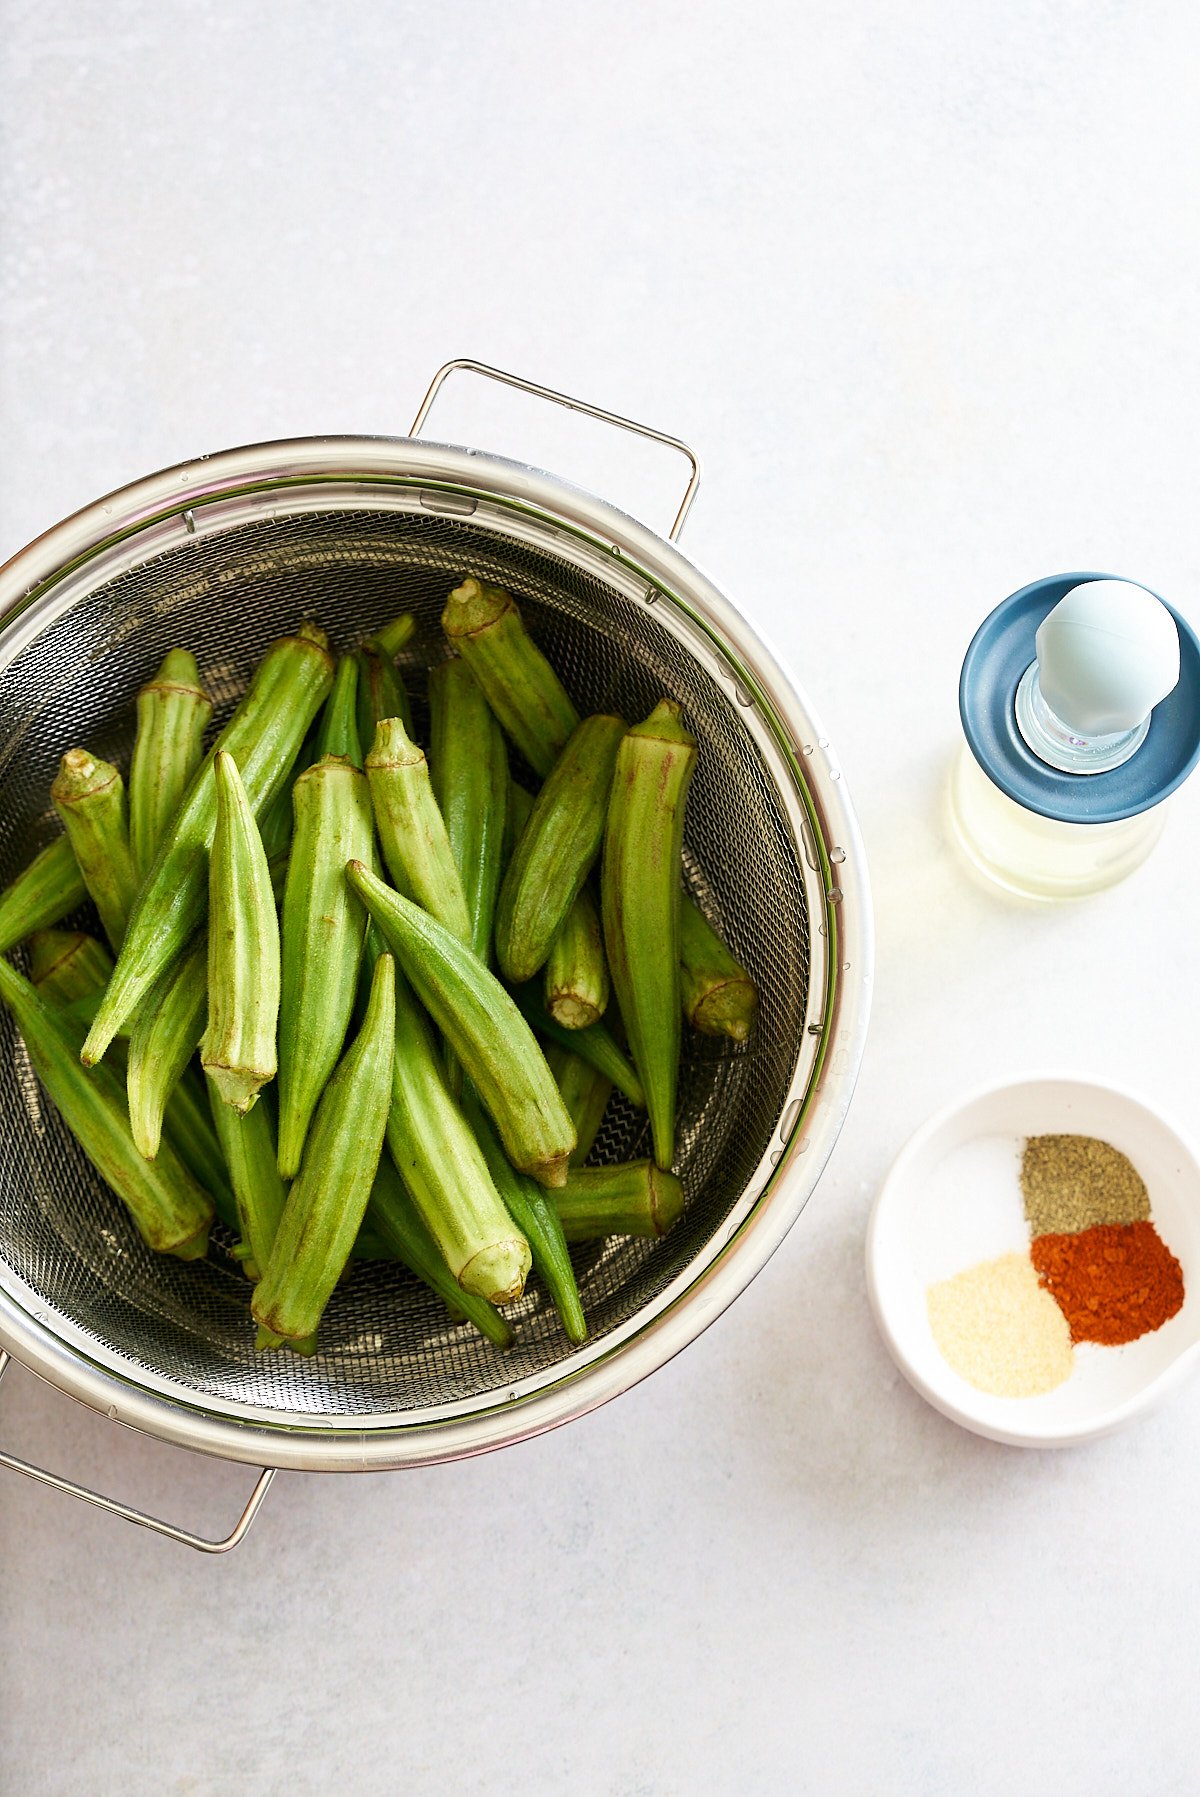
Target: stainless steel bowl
227	552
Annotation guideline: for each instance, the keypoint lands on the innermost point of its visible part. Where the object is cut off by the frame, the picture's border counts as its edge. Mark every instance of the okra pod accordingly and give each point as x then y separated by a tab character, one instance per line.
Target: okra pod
188	1127
483	1028
586	1092
557	847
173	711
442	1165
248	1145
412	831
596	1043
719	997
328	1197
338	732
468	765
45	892
166	1035
520	804
576	977
532	1210
399	1223
89	797
322	937
483	623
68	964
171	1210
640	890
263	736
391	637
381	695
239	1050
637	1198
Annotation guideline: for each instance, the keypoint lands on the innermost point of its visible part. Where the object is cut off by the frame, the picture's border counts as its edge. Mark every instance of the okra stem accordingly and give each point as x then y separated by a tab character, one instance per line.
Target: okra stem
483	623
637	1198
719	997
89	797
596	1043
576	977
390	638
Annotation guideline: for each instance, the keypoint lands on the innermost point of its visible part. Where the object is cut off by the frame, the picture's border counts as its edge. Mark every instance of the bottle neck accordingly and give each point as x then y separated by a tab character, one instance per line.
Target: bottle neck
1060	747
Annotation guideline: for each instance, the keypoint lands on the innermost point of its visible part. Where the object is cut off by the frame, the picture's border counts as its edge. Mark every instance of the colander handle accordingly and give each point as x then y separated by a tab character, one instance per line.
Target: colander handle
201	1543
466	366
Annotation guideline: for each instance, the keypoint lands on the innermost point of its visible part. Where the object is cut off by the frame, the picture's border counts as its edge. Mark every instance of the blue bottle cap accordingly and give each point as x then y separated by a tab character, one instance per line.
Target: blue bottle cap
1002	649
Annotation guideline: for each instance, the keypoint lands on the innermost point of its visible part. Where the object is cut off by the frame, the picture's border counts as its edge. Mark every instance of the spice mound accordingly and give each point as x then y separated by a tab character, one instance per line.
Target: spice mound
1071	1182
1000	1329
1113	1282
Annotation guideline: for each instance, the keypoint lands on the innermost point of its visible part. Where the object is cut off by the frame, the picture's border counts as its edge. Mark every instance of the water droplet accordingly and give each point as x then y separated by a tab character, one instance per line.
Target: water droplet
788	1120
111	1413
845	966
775	1156
837	856
802	1145
835	773
834	895
821	930
808	748
822	742
742	696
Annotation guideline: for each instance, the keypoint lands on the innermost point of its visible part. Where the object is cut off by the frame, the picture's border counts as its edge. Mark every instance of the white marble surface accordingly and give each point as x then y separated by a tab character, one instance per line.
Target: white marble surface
920	280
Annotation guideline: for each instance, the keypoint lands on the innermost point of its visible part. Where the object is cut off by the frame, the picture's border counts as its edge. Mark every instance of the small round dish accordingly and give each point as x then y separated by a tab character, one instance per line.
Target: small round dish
952	1199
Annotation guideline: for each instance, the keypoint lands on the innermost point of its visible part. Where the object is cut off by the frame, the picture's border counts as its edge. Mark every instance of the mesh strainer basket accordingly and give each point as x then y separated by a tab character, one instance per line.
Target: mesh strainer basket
223	555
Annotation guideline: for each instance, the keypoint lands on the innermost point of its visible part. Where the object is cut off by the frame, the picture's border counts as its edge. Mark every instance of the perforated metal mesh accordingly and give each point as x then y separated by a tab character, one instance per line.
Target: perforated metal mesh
386	1344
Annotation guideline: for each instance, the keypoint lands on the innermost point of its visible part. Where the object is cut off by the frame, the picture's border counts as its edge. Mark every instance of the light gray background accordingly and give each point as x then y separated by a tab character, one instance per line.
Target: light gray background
920	281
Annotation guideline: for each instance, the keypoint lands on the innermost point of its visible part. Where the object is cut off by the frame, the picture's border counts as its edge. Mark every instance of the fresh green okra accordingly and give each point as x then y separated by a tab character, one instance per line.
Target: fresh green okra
328	1198
586	1092
557	848
575	982
412	831
533	1211
482	1027
171	1210
48	890
405	1234
188	1127
89	797
166	1035
338	732
381	695
520	804
596	1043
483	623
637	1198
263	736
239	1050
322	937
173	711
468	765
443	1168
640	891
68	964
248	1145
719	997
390	638
70	971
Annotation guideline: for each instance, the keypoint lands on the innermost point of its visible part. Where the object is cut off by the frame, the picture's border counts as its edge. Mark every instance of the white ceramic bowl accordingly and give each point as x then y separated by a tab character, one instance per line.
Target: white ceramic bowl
953	1199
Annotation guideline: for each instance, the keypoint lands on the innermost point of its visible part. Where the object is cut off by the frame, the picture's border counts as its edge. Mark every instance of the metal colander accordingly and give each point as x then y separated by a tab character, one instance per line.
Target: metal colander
224	555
